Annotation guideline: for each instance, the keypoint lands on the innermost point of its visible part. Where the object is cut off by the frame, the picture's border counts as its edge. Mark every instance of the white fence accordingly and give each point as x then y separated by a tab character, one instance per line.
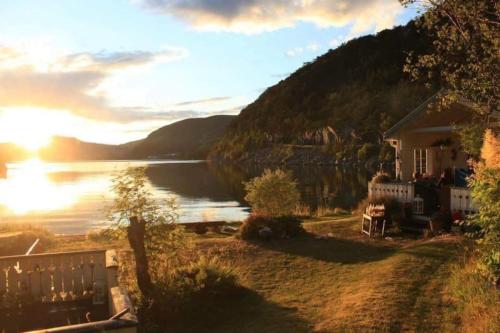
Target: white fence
461	200
402	192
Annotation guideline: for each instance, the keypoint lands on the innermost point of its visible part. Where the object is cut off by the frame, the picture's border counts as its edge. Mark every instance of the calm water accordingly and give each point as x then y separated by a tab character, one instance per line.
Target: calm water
72	197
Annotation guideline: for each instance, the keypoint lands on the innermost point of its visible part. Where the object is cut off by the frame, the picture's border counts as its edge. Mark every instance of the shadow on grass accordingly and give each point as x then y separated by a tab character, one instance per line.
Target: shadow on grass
242	310
331	249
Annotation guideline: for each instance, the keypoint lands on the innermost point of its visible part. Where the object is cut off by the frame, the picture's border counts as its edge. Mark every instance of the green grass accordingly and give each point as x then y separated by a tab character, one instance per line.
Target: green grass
344	282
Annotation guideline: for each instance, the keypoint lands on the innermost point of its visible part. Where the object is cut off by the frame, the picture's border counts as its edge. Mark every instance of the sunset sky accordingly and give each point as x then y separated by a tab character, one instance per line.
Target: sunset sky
113	70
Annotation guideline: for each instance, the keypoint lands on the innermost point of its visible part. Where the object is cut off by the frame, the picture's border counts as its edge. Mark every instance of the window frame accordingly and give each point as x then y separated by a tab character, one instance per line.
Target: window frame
420	162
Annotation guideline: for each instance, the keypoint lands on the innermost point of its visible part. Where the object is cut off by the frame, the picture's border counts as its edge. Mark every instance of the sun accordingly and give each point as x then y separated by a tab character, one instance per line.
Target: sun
31	129
34	142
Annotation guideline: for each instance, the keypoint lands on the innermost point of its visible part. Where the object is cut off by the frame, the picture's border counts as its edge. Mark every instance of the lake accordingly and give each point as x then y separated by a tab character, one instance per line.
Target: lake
71	198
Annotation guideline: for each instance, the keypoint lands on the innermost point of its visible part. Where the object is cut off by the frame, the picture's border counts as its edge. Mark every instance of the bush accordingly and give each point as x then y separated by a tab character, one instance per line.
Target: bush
381	178
281	227
274	193
206	276
195	286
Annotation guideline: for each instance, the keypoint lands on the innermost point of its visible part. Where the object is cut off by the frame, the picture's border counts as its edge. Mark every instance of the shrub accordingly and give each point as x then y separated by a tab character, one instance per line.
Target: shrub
486	191
186	291
274	193
281	227
206	276
381	178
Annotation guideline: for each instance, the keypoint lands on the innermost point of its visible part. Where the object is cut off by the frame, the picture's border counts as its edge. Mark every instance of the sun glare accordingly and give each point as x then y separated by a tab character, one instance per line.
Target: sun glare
29	128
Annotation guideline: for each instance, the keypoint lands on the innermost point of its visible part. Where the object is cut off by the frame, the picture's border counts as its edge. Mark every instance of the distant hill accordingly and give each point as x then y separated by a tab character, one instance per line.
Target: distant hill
338	105
189	138
70	149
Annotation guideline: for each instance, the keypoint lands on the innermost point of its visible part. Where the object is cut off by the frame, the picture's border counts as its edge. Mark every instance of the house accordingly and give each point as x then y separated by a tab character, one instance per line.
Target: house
430	161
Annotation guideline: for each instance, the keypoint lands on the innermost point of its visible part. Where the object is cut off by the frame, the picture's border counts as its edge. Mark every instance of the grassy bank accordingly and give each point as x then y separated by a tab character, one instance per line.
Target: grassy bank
340	282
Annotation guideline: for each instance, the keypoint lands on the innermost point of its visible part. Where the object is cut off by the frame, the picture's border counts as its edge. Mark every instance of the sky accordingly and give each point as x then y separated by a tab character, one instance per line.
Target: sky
111	71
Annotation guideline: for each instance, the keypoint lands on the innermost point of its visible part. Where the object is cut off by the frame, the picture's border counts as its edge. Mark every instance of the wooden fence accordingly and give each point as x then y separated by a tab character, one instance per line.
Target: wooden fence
54	277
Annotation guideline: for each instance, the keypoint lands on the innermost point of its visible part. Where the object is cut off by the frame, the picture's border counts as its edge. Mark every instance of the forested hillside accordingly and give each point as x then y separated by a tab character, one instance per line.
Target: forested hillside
189	138
340	104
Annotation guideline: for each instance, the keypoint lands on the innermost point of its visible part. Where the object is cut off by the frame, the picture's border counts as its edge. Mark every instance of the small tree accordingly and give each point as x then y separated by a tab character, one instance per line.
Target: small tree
274	193
150	228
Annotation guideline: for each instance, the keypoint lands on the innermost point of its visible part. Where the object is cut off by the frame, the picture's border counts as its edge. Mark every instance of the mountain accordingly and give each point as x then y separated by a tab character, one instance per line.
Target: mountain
189	138
70	149
336	107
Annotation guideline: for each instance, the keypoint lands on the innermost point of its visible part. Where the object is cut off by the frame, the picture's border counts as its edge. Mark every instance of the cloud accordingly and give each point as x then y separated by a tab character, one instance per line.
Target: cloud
106	61
204	101
70	82
254	16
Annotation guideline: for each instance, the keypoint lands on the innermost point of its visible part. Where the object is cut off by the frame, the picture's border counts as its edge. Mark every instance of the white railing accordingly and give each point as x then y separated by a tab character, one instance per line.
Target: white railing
461	200
402	192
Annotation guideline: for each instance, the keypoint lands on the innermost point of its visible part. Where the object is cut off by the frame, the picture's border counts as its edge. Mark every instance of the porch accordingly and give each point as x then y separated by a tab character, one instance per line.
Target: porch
426	199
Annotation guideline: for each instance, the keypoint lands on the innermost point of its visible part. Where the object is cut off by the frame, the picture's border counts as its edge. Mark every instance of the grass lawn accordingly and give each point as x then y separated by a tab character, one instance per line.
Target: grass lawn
342	283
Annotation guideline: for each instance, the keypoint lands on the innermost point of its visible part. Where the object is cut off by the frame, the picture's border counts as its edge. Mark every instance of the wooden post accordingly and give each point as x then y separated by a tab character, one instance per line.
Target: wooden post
135	233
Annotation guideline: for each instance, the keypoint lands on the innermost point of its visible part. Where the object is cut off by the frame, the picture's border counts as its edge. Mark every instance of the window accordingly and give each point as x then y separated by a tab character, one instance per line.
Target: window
420	161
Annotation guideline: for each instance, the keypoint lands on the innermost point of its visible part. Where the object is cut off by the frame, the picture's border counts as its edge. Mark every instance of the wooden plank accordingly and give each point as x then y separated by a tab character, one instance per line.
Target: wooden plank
57	279
12	281
88	273
67	276
77	276
46	291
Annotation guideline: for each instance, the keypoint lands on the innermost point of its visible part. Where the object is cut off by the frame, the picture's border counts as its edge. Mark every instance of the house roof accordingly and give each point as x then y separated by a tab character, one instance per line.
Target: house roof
409	117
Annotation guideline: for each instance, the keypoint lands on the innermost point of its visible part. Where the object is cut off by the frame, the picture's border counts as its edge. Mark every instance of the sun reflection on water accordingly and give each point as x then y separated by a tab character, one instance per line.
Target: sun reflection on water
30	189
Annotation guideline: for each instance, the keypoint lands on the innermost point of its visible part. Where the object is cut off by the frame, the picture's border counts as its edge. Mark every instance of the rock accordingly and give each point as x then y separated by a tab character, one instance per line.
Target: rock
265	232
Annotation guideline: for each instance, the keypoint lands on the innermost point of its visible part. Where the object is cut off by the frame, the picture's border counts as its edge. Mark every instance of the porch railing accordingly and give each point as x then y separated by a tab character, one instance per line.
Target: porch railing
68	276
53	277
402	192
461	200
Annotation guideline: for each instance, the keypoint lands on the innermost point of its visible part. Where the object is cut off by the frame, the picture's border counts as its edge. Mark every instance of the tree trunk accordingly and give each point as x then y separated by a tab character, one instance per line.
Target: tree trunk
135	234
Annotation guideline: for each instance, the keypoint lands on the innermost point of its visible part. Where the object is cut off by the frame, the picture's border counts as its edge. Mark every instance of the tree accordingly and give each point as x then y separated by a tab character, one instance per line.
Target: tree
148	225
274	193
464	59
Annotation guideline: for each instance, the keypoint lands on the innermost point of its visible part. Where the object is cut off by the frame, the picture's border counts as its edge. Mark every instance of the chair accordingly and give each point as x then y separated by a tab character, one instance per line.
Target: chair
374	219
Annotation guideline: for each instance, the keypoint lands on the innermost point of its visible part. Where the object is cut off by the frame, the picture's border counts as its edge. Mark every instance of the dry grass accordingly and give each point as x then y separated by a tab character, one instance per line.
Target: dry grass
341	282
